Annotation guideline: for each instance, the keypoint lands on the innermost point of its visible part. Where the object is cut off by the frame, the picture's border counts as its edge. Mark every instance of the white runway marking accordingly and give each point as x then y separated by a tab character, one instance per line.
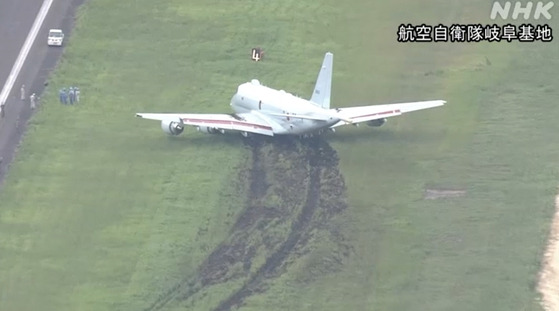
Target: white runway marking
25	50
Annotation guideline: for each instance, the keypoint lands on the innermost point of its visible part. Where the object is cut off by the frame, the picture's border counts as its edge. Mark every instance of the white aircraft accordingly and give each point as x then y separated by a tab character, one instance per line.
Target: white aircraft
266	111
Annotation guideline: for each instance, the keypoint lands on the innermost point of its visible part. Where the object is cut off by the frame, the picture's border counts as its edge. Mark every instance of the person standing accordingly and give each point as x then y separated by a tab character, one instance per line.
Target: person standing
32	101
77	91
61	96
64	96
22	91
2	110
72	95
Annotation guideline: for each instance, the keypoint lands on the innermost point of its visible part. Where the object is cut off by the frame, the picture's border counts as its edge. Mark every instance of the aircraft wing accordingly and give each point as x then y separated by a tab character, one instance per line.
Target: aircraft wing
374	112
242	122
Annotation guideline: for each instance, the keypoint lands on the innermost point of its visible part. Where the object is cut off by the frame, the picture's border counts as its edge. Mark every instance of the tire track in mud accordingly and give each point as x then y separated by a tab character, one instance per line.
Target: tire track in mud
277	259
295	188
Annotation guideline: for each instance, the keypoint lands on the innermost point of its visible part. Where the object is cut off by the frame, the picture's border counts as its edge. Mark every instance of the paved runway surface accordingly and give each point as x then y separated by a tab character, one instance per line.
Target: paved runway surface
16	19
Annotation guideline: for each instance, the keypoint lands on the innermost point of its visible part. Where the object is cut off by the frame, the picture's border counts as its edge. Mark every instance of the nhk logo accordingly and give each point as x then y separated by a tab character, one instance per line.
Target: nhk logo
521	9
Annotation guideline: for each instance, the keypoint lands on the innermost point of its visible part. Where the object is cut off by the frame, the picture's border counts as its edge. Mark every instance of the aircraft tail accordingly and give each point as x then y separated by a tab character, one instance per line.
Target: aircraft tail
322	89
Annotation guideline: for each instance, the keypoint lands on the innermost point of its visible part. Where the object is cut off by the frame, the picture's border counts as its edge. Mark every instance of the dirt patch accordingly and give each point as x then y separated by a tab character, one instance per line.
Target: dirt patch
433	194
295	190
549	277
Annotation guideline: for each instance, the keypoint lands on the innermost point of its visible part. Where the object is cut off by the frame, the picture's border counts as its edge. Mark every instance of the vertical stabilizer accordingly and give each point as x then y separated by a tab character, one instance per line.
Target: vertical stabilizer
322	89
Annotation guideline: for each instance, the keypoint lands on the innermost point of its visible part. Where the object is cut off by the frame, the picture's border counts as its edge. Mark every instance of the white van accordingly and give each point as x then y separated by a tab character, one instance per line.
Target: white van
56	36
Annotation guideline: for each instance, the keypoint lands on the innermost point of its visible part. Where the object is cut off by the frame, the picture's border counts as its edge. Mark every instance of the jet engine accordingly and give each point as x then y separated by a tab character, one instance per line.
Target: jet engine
208	130
377	122
172	127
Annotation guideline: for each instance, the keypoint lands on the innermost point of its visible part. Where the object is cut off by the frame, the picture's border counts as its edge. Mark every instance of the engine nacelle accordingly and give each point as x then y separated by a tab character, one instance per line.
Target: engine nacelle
377	122
172	127
208	130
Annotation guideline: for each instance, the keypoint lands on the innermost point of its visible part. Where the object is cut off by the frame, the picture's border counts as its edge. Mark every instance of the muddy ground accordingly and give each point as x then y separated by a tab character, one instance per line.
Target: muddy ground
295	193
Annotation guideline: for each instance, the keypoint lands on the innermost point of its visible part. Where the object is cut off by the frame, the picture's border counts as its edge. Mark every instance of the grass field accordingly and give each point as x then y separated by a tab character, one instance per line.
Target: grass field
102	211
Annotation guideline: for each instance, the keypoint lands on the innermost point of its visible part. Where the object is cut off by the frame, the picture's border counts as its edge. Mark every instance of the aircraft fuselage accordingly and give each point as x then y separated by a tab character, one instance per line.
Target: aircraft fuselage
256	98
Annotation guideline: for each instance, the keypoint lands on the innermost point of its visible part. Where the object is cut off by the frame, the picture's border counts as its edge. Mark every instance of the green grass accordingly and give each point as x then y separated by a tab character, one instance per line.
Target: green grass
101	211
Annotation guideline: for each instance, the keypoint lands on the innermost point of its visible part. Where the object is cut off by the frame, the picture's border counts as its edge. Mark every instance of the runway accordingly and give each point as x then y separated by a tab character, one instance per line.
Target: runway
16	20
